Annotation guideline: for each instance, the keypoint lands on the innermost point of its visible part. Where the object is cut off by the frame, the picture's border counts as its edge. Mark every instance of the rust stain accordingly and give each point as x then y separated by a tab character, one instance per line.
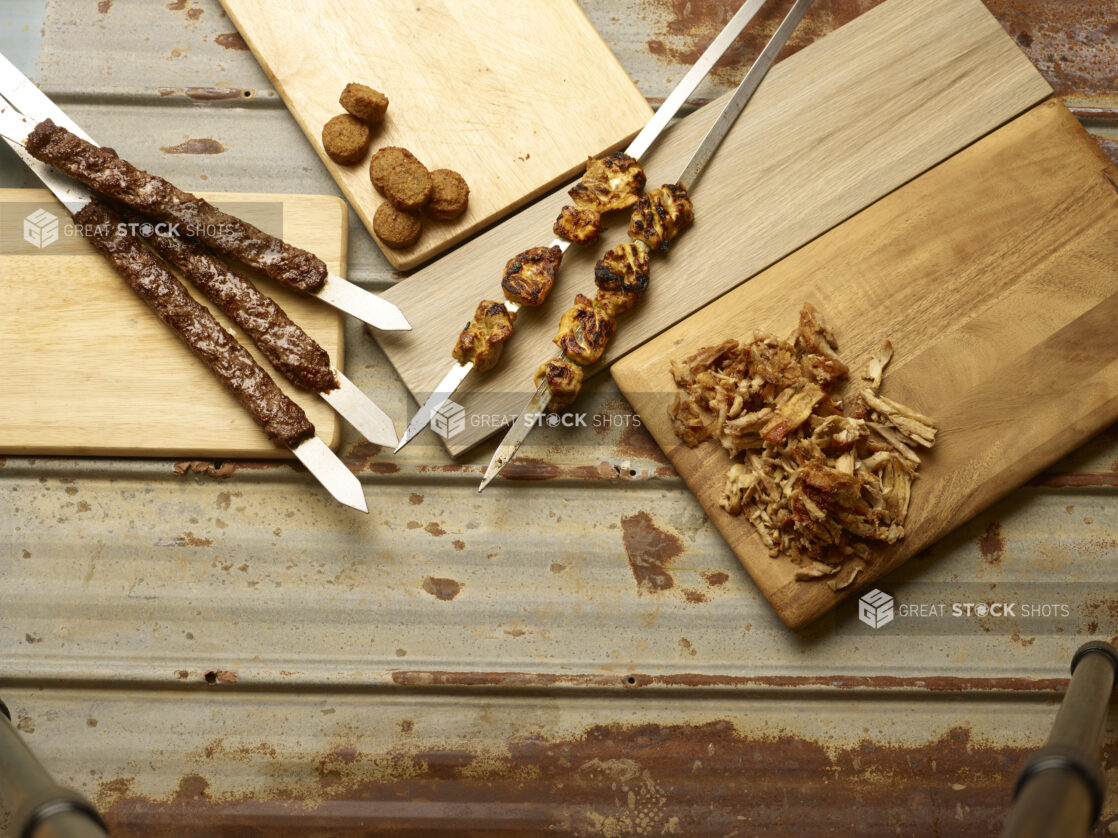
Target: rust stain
177	5
32	638
459	544
220	676
200	145
415	499
557	567
103	6
538	680
1074	45
231	40
688	27
407	726
361	457
649	550
193	14
190	540
694	596
441	588
434	529
183	674
221	469
614	779
1082	480
636	441
715	578
992	545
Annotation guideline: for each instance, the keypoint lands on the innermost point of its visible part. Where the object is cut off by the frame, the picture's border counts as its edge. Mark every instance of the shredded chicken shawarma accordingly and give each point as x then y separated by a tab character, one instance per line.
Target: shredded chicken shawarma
818	484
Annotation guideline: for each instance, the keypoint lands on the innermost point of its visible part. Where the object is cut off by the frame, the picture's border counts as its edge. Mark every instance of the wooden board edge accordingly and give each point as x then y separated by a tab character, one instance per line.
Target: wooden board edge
332	436
625	372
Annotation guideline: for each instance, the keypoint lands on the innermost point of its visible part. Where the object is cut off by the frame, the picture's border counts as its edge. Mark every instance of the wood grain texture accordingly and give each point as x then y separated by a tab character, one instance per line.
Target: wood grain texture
832	129
995	275
88	369
514	95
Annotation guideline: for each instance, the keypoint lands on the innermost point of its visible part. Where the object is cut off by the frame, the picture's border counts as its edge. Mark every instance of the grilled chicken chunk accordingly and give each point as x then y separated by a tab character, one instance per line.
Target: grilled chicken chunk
613	182
564	380
578	225
584	331
483	339
623	269
530	275
660	215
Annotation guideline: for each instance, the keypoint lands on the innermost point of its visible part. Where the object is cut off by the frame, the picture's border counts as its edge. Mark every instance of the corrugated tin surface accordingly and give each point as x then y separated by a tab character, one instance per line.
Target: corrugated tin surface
216	648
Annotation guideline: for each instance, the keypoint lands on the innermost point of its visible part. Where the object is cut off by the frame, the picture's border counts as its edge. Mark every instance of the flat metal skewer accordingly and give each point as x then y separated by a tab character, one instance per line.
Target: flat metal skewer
323	463
335	291
638	147
537	404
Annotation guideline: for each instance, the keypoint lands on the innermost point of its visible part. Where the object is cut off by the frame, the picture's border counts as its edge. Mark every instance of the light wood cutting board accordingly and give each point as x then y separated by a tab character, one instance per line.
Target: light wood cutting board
995	276
88	369
512	94
832	129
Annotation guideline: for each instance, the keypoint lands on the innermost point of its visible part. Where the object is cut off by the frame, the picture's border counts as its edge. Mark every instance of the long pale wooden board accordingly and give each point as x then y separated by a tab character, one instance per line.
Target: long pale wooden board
995	276
88	369
513	94
832	129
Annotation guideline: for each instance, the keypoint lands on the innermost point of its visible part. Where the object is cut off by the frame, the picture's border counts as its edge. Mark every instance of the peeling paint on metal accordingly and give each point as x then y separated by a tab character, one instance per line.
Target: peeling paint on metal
202	145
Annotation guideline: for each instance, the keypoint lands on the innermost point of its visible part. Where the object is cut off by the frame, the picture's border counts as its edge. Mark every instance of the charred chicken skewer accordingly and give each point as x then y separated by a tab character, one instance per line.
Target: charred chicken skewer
622	274
608	184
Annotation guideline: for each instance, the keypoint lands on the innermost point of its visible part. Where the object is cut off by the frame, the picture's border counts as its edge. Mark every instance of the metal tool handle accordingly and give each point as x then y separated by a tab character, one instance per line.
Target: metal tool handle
38	806
1059	791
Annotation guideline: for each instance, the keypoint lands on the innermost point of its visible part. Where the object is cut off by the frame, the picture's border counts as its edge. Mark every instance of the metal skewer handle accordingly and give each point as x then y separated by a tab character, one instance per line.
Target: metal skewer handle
1059	792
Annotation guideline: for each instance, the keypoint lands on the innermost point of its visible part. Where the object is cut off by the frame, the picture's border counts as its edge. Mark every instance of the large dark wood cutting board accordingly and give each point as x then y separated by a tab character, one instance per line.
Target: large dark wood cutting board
832	129
995	276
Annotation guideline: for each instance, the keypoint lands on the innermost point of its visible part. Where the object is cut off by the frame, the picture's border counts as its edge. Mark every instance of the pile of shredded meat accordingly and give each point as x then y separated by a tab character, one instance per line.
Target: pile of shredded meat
819	483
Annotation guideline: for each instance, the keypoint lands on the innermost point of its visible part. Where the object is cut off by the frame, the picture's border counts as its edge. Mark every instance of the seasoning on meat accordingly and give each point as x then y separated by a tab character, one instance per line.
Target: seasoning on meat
817	485
102	170
281	419
613	182
660	215
291	350
584	331
529	275
578	225
483	339
622	276
564	380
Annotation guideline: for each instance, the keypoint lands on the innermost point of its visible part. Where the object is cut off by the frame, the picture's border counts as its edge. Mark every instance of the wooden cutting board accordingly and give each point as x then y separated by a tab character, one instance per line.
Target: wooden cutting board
995	276
513	94
832	129
88	369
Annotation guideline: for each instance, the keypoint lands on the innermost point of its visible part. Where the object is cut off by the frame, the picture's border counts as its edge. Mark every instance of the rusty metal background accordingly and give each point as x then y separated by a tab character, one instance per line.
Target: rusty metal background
213	648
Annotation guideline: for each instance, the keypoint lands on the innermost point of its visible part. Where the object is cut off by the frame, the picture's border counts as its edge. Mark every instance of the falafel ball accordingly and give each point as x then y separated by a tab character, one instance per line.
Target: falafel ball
364	102
408	185
384	161
396	228
449	195
346	139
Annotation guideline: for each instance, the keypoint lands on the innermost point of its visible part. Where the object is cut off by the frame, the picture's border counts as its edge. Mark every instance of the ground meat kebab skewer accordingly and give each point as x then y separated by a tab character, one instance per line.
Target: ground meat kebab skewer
291	350
281	418
102	170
